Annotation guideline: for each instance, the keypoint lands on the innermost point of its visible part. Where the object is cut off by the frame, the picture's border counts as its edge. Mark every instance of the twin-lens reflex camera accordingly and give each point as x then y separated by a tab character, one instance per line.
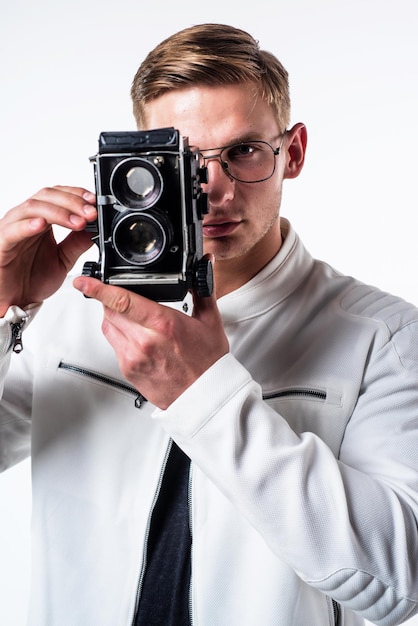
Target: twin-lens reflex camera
150	208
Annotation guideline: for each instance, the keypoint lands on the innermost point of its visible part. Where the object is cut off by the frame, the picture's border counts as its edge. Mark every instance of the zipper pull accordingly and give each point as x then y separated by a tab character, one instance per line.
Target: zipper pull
139	401
17	329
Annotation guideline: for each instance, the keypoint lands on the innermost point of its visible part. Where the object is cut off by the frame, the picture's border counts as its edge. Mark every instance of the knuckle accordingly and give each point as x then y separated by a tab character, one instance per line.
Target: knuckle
139	352
43	195
35	204
136	362
131	361
45	191
115	300
166	326
121	302
30	205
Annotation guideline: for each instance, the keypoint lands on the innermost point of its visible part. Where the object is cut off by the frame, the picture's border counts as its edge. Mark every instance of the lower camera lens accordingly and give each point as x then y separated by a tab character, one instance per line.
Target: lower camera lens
142	238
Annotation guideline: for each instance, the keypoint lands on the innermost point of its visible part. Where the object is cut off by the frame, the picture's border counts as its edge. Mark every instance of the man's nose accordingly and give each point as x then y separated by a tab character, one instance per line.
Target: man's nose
220	186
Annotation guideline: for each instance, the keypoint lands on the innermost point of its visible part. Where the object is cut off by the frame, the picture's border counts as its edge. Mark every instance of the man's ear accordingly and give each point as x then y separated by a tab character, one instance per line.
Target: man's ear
295	149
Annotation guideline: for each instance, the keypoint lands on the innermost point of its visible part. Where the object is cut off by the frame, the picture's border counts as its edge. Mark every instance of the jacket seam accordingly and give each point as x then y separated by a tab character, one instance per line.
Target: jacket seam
353	572
219	408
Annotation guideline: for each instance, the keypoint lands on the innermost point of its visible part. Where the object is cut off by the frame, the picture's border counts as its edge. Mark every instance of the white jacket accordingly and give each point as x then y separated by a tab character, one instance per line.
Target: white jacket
304	442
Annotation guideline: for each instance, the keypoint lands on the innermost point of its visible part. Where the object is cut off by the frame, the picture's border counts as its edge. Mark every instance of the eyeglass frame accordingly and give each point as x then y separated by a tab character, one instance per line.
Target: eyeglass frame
224	164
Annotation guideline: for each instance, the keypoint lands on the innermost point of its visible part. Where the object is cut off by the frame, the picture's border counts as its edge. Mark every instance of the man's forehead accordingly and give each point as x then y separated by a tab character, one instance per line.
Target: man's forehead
222	114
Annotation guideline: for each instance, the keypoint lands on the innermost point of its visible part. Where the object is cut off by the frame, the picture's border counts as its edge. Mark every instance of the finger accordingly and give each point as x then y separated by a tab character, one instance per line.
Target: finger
87	195
55	206
79	202
119	300
204	306
15	230
114	334
14	235
115	298
73	246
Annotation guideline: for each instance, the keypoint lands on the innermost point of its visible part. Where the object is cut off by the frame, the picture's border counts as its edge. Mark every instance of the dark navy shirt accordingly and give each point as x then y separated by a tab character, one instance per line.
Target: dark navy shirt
165	591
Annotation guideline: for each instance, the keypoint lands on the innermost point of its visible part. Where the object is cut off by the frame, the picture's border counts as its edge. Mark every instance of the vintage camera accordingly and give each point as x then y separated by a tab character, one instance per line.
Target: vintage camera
150	209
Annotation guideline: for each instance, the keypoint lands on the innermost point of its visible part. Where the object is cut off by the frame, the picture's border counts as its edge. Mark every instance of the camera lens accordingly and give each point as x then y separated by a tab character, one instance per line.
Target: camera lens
142	238
140	181
136	183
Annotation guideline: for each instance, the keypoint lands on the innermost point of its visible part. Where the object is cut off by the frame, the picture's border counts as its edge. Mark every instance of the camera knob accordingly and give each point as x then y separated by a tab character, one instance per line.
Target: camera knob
204	278
90	268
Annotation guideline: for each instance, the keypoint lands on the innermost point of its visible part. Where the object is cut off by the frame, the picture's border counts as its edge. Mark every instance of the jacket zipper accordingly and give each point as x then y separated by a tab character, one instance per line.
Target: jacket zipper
335	607
318	394
189	502
107	380
336	612
147	531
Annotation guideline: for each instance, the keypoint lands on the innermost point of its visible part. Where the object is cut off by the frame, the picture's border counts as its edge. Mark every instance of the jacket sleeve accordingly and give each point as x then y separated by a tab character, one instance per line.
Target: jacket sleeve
347	525
15	388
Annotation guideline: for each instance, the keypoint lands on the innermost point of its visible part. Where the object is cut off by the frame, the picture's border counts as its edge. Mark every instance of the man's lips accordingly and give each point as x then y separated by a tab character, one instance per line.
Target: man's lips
219	229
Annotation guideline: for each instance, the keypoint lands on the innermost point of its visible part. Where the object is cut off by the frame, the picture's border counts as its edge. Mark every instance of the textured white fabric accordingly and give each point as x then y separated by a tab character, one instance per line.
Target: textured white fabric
304	446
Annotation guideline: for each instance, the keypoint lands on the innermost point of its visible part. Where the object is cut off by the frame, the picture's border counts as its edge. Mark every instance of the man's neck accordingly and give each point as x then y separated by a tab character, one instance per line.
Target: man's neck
231	274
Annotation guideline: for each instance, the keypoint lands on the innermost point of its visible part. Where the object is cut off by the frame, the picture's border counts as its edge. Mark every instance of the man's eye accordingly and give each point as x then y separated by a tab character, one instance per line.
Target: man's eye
241	150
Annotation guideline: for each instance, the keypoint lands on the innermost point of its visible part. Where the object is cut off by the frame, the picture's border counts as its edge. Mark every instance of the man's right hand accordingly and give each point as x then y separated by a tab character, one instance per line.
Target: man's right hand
32	264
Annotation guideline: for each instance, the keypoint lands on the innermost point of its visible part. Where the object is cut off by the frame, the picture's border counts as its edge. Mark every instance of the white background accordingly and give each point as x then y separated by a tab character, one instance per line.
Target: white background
65	74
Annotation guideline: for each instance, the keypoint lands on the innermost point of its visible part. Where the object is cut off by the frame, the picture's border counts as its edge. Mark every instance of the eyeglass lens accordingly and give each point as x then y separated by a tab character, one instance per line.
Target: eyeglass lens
249	162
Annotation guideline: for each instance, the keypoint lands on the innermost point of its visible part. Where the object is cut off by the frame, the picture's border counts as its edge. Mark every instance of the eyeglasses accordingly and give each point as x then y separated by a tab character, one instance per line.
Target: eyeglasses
247	161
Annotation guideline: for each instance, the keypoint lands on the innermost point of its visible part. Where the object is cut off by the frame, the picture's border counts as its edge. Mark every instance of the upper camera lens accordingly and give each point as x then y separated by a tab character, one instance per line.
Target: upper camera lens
136	183
140	181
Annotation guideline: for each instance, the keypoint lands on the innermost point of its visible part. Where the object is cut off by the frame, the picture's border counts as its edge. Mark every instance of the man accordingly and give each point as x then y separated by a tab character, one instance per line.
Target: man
294	392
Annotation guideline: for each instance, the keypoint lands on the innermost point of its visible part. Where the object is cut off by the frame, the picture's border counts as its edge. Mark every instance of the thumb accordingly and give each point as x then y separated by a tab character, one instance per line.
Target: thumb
73	246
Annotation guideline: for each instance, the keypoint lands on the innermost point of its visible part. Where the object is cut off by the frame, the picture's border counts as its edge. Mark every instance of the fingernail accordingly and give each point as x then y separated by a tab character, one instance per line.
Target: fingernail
89	210
76	220
89	196
36	223
80	284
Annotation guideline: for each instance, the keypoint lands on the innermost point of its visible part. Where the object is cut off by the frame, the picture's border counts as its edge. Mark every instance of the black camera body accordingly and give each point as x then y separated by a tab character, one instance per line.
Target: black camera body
150	209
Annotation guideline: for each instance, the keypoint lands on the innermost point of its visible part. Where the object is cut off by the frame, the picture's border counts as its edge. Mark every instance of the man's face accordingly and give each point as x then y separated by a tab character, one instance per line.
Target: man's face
242	224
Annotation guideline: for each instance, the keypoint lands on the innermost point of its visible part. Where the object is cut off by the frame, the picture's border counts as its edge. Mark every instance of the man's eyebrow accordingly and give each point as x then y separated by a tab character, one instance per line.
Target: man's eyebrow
250	136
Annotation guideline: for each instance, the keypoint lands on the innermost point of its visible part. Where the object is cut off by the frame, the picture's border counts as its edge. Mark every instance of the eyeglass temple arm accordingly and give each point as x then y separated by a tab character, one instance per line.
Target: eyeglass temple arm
277	150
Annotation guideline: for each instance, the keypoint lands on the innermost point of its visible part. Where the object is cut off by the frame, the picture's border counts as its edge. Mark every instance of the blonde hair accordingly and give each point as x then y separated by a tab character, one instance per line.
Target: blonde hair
211	55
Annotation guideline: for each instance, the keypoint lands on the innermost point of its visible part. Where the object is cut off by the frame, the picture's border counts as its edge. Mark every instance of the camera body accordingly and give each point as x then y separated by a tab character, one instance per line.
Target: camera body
150	209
